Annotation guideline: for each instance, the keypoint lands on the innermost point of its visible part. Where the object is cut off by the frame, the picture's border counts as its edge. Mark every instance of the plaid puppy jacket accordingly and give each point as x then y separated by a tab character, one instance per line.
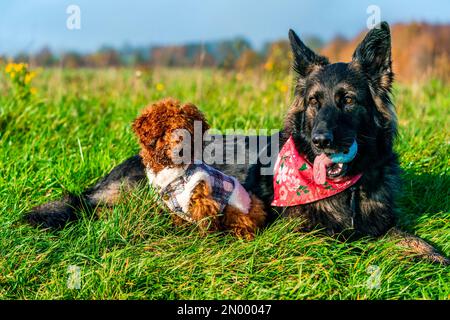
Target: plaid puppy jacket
175	186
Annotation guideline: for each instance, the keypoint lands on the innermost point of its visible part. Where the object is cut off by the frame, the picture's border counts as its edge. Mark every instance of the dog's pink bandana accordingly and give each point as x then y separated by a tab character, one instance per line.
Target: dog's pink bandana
296	181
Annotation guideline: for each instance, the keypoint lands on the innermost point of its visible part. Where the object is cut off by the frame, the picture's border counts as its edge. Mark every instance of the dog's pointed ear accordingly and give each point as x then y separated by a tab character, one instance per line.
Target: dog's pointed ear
373	56
305	60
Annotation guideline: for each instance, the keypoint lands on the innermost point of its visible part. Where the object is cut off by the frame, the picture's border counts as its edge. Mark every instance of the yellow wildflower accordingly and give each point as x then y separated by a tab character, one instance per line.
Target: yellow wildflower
9	67
18	67
33	90
12	74
159	87
29	77
283	88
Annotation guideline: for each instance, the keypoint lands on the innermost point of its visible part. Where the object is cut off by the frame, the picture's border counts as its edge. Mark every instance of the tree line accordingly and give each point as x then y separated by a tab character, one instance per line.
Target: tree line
418	49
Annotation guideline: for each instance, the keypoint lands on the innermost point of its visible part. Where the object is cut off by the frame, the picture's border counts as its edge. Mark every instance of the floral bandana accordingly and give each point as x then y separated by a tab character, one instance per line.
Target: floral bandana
294	182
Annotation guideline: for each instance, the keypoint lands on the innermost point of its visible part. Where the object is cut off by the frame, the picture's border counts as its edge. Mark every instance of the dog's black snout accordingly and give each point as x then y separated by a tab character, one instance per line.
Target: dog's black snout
322	140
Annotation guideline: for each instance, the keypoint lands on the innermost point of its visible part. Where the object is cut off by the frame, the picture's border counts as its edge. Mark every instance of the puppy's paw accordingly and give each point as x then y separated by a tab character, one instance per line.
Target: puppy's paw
203	208
244	225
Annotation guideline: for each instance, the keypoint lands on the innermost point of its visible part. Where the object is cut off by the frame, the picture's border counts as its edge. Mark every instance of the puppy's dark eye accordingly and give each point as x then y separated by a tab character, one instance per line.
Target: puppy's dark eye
152	143
313	102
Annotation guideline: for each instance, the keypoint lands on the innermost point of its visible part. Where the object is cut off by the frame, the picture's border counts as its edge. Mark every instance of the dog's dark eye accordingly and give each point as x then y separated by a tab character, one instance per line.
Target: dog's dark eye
313	102
348	100
152	143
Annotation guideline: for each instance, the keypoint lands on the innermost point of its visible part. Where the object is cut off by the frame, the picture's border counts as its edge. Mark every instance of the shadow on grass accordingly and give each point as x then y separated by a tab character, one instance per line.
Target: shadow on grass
422	195
424	208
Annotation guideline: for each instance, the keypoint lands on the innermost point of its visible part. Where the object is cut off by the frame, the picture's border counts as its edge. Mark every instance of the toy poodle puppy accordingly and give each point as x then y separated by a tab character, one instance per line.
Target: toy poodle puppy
193	191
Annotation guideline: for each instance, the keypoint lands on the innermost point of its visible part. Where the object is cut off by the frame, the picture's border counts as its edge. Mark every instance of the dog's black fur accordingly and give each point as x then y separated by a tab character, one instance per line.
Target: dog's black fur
346	101
340	101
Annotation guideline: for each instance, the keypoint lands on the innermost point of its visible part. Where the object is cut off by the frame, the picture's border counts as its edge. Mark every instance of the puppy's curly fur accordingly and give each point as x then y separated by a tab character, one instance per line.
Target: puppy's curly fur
154	128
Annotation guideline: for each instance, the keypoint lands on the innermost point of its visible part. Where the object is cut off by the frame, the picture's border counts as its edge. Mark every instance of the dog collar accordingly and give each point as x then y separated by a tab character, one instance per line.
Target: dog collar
293	180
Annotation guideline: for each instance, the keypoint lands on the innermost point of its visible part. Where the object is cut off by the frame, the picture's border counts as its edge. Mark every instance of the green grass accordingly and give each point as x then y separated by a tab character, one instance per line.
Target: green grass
77	128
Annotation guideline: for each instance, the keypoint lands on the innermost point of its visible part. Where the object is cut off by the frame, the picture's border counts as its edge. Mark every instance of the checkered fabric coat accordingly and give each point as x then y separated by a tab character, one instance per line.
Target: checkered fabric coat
175	186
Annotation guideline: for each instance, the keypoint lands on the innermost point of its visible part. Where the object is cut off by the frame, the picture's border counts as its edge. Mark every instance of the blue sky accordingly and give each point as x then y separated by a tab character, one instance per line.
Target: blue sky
28	25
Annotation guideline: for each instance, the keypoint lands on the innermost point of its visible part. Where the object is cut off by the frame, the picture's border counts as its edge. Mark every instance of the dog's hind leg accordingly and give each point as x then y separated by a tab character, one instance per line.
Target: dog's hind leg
55	214
417	246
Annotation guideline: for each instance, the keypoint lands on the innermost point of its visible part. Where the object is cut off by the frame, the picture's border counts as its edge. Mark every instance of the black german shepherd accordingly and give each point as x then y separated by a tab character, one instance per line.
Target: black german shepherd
334	104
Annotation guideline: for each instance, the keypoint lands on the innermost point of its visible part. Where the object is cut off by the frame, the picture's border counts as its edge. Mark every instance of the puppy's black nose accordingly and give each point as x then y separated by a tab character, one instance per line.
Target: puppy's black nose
322	140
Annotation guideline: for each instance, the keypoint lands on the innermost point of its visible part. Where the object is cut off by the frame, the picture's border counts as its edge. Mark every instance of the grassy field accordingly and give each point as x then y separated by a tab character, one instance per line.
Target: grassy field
76	128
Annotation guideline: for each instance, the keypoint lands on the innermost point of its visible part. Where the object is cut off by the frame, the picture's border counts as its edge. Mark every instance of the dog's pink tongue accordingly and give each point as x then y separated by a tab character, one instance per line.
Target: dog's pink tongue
320	168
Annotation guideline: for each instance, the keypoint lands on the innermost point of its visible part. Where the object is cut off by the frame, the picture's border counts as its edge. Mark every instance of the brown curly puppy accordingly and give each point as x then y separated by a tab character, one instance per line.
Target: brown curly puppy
192	190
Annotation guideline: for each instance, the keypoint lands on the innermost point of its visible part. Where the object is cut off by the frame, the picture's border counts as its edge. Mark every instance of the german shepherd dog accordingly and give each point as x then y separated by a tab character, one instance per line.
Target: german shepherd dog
334	104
